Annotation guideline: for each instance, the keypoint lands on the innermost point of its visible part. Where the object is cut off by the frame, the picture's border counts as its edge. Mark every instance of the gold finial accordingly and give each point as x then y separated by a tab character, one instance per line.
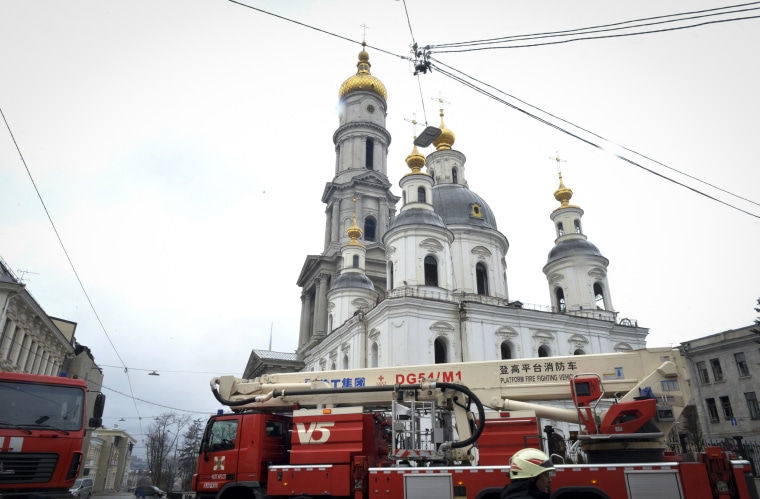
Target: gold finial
354	233
415	161
363	80
562	194
446	139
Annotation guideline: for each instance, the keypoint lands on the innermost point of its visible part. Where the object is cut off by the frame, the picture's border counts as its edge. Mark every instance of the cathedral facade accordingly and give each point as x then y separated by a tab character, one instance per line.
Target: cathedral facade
422	278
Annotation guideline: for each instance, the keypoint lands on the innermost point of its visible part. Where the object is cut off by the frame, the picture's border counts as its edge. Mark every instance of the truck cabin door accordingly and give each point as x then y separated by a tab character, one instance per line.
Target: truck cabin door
219	453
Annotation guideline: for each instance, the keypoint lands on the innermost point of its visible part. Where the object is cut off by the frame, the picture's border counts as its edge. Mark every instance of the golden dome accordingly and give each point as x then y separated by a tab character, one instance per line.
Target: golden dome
363	80
415	161
354	233
563	195
446	139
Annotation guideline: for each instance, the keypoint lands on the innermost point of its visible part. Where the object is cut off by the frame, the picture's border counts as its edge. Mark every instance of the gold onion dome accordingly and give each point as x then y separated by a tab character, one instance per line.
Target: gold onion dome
354	233
446	139
563	195
363	80
415	161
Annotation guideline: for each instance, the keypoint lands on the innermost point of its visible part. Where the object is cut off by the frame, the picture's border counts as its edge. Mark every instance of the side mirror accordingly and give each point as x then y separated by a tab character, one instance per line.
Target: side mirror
96	422
100	404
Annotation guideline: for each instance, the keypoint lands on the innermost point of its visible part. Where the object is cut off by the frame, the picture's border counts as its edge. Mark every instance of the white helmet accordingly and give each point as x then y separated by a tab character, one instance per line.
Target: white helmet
529	463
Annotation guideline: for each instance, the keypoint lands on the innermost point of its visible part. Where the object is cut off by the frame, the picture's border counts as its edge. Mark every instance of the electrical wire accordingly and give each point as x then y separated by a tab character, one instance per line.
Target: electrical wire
597	37
135	399
162	370
575	30
599	136
592	144
66	253
317	29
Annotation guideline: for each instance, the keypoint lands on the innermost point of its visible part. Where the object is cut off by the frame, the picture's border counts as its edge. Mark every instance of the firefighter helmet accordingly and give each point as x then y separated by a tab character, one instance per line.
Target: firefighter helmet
529	463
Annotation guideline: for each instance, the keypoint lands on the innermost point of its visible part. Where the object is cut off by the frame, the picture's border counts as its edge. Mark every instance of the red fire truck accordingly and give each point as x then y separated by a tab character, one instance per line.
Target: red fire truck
42	426
448	431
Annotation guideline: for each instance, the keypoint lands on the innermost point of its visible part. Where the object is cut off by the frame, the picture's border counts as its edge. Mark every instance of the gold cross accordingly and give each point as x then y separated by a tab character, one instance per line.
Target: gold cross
558	160
414	123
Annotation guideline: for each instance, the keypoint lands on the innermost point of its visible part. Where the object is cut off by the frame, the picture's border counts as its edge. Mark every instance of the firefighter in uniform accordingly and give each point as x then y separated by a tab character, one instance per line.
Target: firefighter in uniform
530	476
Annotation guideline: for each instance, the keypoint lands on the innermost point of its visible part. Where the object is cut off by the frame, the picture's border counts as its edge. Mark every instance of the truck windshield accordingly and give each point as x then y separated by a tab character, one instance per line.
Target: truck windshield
36	406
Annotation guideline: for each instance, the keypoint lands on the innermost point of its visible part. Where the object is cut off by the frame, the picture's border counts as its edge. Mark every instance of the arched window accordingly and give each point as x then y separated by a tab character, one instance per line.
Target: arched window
577	226
432	175
355	262
481	276
370	154
390	275
544	351
560	229
345	361
421	195
370	228
373	355
329	323
579	351
560	295
454	175
332	366
599	296
403	197
506	350
431	271
441	351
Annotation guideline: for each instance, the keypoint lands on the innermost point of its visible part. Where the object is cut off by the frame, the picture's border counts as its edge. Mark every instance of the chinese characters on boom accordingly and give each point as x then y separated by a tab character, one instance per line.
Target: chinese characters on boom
539	371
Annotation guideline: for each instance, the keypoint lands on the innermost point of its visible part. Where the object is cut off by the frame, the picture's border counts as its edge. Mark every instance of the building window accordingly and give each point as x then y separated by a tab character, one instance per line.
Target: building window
579	351
432	175
754	411
577	224
454	176
704	376
373	355
481	276
599	296
370	154
543	351
506	350
669	385
431	271
741	364
421	195
560	229
441	354
345	361
560	295
390	275
726	405
370	229
716	369
712	411
355	262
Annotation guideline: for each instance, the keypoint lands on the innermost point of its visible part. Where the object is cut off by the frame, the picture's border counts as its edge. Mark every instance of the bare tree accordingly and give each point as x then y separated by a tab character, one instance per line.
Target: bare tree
162	444
756	329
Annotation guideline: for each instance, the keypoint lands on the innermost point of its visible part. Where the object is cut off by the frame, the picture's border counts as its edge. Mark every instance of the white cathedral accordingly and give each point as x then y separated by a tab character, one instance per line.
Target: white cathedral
427	283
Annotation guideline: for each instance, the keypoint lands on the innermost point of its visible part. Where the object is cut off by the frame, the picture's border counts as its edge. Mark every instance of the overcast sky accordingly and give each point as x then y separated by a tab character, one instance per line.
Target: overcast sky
181	148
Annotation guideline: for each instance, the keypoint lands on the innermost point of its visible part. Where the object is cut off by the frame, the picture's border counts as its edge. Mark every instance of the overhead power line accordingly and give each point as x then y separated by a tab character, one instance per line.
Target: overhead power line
508	42
469	83
68	258
330	33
